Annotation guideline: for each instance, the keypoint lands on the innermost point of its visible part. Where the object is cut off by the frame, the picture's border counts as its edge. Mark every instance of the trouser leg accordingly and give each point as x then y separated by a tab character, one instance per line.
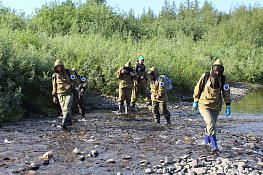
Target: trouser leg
210	118
155	111
166	113
66	104
121	103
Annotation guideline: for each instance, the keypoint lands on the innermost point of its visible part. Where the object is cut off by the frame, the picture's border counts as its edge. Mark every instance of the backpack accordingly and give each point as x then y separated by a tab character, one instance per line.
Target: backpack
168	82
207	76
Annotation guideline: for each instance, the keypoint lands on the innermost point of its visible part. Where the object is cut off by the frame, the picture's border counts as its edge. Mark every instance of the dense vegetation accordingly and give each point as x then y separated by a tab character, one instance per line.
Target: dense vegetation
182	41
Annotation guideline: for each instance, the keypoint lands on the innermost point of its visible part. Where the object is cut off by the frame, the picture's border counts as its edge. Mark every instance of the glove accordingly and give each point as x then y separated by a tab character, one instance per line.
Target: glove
228	111
195	105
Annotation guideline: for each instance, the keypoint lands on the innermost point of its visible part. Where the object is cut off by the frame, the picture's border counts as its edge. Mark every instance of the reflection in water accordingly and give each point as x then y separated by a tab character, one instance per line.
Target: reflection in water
246	114
251	103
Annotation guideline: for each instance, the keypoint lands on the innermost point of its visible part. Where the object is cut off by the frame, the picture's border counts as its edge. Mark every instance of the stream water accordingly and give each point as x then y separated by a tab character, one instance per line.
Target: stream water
248	114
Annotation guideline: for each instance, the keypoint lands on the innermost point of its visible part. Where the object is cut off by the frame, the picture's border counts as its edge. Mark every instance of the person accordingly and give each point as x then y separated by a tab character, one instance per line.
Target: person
158	95
81	88
126	75
63	81
140	82
207	97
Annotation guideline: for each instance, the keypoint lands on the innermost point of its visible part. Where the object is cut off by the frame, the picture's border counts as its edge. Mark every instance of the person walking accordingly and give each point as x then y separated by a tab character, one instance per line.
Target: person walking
140	82
126	75
208	98
158	95
63	82
81	92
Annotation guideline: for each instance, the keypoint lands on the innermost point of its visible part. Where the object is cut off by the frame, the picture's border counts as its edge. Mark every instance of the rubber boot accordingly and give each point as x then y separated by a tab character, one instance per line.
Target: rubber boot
168	119
64	122
213	141
156	118
126	105
207	139
121	106
133	104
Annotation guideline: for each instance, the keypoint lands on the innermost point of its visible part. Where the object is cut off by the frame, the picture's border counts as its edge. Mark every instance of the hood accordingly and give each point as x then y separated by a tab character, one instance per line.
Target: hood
57	63
218	63
128	64
155	71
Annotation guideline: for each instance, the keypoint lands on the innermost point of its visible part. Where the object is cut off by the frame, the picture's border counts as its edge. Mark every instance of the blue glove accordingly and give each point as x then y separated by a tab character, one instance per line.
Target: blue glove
228	111
195	105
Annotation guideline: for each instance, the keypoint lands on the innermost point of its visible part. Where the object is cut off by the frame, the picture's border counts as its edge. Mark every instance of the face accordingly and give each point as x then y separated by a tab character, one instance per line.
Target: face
58	68
217	71
141	61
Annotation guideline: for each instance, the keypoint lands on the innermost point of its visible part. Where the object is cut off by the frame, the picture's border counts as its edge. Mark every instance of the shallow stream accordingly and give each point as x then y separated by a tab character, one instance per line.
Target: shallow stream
248	114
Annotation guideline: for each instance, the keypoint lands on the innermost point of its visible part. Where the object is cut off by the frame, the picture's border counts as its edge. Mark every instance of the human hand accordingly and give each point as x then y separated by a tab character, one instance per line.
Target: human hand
228	112
157	97
68	87
55	100
195	105
123	71
132	74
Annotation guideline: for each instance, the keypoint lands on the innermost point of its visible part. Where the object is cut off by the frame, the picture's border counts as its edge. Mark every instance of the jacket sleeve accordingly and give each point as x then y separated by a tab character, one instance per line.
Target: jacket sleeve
135	71
145	74
162	87
54	84
118	73
74	82
226	93
198	88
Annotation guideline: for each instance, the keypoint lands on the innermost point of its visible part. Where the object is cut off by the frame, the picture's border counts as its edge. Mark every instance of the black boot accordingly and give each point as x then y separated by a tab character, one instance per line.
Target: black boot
121	106
133	104
156	118
168	118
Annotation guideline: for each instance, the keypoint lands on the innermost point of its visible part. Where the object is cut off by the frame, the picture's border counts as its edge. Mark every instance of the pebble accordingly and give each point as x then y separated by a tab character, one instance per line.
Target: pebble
110	161
94	153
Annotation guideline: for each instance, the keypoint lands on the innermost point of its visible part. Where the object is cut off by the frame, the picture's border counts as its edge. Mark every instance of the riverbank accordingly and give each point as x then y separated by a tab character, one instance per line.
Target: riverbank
128	144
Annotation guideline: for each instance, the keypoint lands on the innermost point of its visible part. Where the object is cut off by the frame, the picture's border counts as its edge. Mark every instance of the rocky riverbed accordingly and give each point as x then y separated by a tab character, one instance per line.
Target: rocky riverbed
105	143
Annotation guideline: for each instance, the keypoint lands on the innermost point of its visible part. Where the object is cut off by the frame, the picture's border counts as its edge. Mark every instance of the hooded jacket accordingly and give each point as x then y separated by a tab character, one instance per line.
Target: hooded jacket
126	80
140	70
61	80
210	95
158	88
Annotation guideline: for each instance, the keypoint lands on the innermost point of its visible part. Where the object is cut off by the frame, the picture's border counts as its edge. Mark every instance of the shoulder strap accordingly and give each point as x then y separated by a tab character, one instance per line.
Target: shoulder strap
223	78
205	80
67	70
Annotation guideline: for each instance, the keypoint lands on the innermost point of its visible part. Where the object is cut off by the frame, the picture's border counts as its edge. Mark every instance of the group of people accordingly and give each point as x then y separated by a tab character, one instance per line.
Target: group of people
134	81
208	93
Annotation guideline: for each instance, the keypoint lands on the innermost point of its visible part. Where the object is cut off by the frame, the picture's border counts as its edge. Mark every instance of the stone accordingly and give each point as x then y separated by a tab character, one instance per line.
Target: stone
94	153
168	160
148	171
47	155
76	151
193	164
201	170
126	157
110	161
46	162
81	158
34	166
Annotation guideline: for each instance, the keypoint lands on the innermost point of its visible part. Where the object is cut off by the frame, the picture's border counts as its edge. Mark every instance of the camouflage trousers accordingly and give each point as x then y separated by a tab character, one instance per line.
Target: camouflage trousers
65	102
163	108
210	118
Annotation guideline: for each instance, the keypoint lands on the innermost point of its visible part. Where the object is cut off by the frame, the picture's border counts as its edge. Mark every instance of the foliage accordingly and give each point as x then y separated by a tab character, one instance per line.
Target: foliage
182	41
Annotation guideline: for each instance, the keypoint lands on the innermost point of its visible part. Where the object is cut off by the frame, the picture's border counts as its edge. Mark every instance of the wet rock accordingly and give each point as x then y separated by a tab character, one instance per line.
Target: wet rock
159	171
201	170
125	157
119	174
81	158
144	162
94	153
34	166
47	155
193	164
6	158
168	160
46	162
110	161
148	171
76	150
